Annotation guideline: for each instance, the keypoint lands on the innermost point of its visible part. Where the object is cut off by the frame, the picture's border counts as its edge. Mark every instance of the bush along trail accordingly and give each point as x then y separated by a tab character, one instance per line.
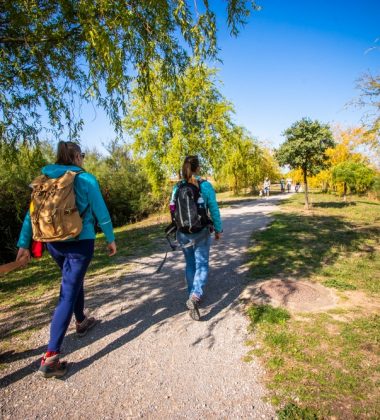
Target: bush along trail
147	358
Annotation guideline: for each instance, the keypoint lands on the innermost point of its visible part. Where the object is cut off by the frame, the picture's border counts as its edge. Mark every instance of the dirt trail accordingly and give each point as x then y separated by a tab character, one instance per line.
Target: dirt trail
148	358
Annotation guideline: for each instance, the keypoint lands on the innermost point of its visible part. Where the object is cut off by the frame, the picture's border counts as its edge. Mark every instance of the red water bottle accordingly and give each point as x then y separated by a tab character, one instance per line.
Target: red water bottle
37	249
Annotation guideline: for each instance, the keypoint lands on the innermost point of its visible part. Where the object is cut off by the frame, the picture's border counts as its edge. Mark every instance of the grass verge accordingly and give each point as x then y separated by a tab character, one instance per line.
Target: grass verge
321	364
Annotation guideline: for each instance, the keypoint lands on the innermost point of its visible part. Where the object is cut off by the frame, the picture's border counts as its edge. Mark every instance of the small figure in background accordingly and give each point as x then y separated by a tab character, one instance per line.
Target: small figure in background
282	185
266	187
288	185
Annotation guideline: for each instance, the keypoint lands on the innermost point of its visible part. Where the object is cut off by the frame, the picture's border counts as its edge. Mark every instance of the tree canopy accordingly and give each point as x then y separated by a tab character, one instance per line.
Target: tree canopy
56	51
357	176
304	148
194	118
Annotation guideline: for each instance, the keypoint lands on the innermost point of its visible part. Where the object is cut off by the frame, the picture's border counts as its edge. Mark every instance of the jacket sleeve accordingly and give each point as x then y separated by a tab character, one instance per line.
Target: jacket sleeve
175	188
26	233
213	207
99	209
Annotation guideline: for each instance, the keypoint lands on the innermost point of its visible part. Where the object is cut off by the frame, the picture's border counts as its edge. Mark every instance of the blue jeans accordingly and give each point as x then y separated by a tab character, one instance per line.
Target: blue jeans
73	258
197	257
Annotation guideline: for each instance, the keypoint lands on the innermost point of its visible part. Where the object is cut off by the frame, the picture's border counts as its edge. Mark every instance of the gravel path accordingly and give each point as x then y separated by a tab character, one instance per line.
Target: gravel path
148	358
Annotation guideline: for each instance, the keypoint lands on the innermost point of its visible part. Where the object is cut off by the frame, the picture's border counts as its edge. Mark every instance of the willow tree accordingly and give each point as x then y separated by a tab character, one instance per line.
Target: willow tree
192	118
245	162
304	148
56	53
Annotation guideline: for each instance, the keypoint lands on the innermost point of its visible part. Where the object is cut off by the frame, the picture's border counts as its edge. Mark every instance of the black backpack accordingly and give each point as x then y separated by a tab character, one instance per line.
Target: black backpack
190	214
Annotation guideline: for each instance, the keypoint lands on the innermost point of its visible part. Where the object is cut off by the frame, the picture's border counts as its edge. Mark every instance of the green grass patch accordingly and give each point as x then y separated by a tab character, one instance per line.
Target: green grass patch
324	367
341	285
293	412
319	366
335	242
267	313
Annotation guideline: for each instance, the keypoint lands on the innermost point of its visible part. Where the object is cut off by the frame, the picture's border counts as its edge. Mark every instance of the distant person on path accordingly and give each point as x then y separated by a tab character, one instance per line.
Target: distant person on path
193	200
288	185
73	255
297	187
266	186
282	185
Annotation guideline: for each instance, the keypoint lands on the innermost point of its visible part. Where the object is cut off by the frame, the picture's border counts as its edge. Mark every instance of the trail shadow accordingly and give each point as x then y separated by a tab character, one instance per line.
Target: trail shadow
298	246
137	301
334	204
43	273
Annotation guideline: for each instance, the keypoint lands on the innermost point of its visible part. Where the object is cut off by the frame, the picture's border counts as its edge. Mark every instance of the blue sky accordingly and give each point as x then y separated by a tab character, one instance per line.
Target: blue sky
293	59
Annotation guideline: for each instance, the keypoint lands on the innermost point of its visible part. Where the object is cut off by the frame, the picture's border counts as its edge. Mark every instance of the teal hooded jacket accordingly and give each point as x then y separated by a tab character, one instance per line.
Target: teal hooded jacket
88	199
209	197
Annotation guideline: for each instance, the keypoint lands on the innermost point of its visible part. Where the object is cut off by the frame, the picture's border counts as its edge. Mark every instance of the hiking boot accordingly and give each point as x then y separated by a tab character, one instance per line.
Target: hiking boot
192	305
85	325
52	366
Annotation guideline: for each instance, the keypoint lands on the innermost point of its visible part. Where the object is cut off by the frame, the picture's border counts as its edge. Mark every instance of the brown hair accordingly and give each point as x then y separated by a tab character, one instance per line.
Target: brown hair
190	165
66	152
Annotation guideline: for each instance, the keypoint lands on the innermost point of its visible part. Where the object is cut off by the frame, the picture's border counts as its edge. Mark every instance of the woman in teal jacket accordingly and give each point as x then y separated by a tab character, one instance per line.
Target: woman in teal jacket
72	256
197	255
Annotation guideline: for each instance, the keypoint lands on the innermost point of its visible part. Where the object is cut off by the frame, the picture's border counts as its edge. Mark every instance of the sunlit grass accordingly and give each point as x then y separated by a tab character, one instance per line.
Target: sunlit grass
326	364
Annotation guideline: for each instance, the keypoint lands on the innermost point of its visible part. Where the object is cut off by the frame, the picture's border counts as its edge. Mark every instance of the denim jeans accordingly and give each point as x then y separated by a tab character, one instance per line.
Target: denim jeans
196	257
73	259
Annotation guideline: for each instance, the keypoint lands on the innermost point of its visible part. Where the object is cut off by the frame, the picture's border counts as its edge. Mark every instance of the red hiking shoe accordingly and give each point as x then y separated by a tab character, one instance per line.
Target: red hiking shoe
52	366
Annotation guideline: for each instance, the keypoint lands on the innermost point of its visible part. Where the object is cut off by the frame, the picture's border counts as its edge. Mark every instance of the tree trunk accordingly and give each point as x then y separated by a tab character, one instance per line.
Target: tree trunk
306	189
236	188
344	191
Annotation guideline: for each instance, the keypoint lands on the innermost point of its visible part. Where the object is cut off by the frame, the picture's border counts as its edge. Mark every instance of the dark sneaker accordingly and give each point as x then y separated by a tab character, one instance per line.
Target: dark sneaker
52	366
192	305
85	325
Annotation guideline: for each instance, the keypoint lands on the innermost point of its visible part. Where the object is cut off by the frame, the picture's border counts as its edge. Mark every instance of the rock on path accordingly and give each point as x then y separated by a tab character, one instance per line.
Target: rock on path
148	359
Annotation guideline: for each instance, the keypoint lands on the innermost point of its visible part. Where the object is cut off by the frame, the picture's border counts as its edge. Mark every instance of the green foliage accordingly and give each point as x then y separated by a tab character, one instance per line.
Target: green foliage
305	147
17	169
245	163
55	54
292	411
357	176
123	182
376	187
241	161
194	118
266	313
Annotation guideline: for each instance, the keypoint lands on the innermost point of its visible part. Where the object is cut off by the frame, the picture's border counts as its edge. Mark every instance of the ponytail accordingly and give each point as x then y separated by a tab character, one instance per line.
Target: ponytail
66	152
190	165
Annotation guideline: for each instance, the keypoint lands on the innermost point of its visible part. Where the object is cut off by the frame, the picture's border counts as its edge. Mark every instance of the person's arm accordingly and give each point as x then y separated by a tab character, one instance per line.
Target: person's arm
213	207
99	208
25	239
26	234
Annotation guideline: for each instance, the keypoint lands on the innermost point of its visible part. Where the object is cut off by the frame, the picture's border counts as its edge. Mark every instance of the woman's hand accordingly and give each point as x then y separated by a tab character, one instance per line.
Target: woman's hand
218	235
111	248
23	254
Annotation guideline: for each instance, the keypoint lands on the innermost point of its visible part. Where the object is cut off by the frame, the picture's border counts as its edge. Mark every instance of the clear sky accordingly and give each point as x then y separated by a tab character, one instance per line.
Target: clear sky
293	59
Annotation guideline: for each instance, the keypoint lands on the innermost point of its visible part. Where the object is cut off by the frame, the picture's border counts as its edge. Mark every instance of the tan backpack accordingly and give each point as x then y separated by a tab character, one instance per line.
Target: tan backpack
53	210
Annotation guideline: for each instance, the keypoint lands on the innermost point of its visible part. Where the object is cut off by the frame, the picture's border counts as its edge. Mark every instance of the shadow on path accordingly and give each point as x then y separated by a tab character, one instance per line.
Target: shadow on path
139	301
